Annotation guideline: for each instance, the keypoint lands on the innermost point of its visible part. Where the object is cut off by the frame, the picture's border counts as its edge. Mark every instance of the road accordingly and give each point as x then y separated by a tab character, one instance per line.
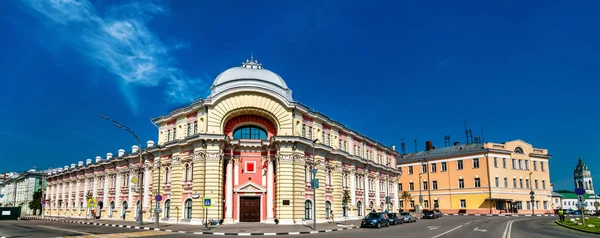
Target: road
448	226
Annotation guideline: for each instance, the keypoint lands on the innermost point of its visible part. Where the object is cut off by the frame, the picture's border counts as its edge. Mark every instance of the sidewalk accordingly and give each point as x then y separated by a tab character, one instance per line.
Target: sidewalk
229	229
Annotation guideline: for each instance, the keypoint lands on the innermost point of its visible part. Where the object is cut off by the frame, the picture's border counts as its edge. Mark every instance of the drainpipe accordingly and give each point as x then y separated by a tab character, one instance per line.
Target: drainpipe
487	163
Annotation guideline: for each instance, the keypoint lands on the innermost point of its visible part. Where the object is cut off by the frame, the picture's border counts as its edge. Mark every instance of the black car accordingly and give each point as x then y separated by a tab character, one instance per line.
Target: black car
394	219
428	214
375	219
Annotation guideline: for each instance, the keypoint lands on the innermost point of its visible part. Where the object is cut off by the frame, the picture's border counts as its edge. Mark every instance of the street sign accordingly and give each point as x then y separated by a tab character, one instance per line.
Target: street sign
314	172
158	198
134	180
580	198
315	183
91	203
206	202
579	191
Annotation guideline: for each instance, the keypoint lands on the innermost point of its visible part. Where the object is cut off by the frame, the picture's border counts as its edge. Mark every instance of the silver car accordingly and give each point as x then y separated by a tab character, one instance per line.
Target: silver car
408	217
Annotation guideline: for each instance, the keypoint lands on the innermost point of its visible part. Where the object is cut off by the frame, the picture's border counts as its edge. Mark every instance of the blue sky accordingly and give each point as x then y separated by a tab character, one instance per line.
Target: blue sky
522	70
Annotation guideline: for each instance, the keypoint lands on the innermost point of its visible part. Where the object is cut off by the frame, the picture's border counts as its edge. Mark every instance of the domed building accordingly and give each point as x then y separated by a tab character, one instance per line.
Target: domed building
251	149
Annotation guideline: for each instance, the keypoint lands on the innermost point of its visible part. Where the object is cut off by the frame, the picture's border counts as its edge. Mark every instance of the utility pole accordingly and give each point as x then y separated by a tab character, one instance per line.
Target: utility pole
140	172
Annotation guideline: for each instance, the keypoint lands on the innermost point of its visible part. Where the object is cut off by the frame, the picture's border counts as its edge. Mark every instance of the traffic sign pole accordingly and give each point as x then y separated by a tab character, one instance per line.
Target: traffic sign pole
580	192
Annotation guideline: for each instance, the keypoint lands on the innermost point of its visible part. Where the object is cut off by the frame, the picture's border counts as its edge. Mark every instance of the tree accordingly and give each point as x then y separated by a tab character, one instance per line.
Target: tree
405	196
346	200
36	203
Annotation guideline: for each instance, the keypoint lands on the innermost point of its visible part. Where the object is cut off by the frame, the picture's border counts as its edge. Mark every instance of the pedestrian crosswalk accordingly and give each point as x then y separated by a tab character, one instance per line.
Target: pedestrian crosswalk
123	235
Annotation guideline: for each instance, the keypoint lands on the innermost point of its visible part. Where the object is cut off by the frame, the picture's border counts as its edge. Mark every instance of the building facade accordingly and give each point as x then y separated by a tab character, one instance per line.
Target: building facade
489	178
250	148
18	188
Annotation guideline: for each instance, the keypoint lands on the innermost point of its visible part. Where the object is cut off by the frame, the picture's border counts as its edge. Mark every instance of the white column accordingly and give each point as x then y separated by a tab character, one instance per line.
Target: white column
377	191
70	195
118	193
366	202
270	176
353	188
77	195
236	171
395	191
94	186
229	193
130	203
146	188
105	203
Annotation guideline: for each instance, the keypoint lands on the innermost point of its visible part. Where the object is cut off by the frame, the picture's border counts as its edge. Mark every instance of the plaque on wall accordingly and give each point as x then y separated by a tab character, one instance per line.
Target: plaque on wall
286	202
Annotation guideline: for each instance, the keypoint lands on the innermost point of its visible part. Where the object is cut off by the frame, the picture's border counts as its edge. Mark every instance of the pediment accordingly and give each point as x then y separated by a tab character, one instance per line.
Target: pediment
250	187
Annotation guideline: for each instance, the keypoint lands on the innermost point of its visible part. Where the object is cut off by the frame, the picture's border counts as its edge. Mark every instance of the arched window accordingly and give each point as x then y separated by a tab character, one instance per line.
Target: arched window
187	172
250	132
112	207
327	209
580	184
124	207
167	213
518	150
188	209
359	208
307	209
166	174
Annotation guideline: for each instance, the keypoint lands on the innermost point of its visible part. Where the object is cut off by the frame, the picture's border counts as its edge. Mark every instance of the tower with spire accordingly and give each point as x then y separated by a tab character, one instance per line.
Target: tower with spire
583	177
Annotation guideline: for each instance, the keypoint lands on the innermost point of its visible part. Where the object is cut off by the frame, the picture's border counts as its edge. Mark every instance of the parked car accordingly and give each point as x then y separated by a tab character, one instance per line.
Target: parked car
429	214
394	220
440	214
375	219
408	217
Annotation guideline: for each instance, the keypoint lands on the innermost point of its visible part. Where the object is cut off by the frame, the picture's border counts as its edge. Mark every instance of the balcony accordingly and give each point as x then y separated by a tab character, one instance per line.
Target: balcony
112	190
100	192
124	190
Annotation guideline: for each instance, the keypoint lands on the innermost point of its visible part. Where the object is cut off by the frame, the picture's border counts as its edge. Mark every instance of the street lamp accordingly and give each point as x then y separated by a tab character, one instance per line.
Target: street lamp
139	183
314	185
532	197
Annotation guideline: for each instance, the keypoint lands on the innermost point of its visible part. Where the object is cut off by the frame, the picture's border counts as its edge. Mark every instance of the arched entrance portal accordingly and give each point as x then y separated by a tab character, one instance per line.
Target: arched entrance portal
327	209
249	179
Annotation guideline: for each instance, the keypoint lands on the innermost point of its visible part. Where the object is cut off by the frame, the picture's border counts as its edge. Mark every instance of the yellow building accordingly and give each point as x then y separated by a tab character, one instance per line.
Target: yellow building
489	178
250	147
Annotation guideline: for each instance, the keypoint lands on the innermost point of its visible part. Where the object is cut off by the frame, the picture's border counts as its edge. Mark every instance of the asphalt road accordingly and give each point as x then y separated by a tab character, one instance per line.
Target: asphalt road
448	226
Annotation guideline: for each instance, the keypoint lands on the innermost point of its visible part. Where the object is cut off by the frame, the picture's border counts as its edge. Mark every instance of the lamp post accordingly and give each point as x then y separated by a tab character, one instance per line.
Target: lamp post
532	197
139	183
314	186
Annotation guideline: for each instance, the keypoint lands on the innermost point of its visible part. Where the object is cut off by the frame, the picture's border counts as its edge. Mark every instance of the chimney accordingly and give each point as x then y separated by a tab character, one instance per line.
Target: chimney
66	168
393	147
121	152
134	149
60	170
72	166
428	145
456	143
108	156
88	161
80	163
150	143
98	159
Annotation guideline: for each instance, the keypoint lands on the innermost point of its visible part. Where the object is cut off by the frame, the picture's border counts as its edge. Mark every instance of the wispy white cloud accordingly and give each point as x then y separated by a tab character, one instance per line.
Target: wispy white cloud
120	41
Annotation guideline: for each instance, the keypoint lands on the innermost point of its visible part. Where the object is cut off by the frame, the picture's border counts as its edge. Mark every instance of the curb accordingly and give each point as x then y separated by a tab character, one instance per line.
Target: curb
501	215
195	233
577	229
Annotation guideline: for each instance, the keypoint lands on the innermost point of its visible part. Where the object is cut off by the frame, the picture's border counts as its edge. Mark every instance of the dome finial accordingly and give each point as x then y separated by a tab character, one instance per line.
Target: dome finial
252	63
251	56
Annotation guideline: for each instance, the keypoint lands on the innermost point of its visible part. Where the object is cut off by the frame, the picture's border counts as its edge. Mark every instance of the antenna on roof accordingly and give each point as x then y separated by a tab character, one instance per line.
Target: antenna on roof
482	141
251	56
447	141
469	134
403	146
416	145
